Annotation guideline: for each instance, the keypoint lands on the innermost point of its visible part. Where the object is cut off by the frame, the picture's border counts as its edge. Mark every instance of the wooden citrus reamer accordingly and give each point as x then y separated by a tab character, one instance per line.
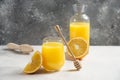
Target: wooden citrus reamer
76	63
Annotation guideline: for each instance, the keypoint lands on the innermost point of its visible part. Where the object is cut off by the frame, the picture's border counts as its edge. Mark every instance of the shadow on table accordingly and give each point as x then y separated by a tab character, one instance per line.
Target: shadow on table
41	71
72	70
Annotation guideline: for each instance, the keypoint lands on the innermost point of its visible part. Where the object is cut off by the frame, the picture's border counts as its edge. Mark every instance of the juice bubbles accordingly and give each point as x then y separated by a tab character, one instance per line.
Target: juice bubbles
53	55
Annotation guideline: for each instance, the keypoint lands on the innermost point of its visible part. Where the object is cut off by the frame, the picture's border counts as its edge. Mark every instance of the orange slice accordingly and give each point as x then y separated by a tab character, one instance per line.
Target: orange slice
35	63
79	47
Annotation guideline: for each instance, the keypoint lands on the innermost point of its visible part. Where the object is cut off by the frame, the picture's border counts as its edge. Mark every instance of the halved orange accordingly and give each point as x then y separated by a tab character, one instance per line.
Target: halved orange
35	63
79	47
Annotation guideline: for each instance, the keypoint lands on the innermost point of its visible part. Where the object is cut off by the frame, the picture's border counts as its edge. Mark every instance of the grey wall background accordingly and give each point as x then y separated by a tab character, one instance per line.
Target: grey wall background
29	21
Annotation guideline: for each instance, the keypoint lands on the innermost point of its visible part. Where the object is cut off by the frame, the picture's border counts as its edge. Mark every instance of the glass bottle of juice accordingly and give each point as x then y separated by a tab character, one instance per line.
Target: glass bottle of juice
80	23
53	53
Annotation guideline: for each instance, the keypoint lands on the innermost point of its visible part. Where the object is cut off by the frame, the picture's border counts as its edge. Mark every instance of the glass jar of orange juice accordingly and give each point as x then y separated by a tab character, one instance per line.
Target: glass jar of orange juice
53	53
80	23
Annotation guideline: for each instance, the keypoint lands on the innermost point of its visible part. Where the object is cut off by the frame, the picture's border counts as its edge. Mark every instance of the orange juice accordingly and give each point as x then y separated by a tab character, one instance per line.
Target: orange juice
80	29
80	24
53	55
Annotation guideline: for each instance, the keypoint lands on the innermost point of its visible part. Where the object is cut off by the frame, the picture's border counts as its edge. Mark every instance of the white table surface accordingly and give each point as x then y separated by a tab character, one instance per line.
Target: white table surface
102	63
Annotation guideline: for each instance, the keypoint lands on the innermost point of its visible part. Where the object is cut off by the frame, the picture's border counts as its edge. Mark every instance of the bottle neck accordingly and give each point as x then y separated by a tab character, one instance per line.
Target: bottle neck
79	8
